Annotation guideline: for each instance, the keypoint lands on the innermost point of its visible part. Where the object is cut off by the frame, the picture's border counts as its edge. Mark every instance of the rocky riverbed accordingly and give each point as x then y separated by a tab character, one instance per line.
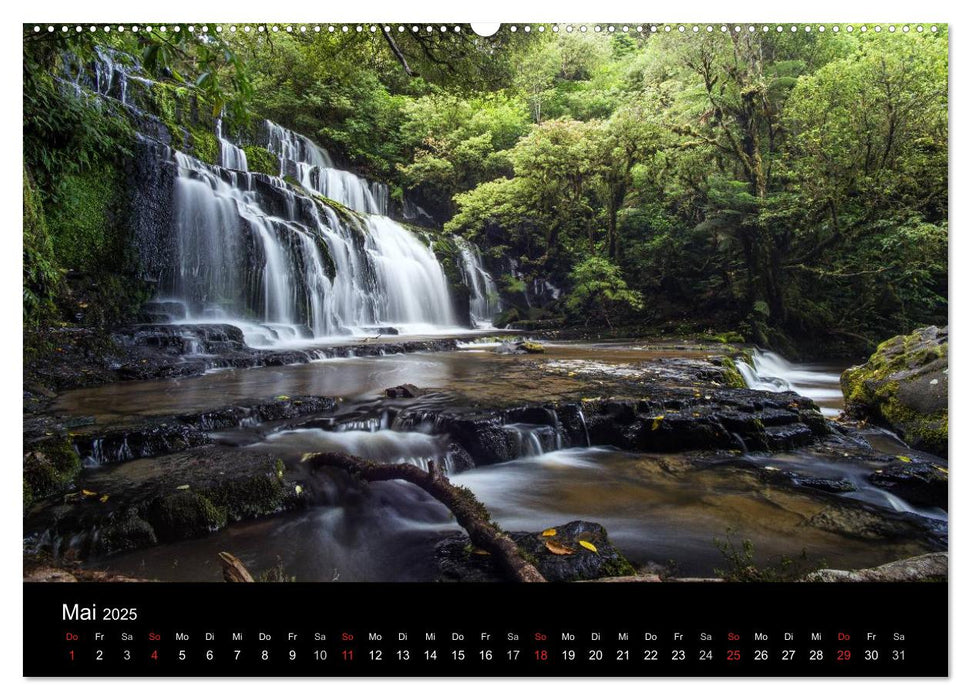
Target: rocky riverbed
634	438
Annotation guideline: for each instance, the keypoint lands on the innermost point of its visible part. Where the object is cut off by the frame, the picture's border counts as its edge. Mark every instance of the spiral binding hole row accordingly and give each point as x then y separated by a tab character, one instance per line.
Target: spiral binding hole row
582	28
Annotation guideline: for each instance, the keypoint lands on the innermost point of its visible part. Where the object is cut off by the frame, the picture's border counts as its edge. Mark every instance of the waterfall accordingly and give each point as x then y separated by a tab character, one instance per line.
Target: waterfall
283	267
529	440
772	372
278	261
313	168
230	155
484	302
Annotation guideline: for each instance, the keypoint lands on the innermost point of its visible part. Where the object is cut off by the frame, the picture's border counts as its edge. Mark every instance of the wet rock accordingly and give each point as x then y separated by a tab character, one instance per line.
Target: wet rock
83	357
920	483
863	522
904	386
519	347
458	560
183	515
158	436
926	567
404	391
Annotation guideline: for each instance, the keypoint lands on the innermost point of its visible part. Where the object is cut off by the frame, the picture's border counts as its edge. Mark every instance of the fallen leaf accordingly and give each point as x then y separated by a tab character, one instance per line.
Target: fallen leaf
104	498
587	545
88	494
904	458
480	552
549	532
299	489
184	487
657	422
557	548
282	397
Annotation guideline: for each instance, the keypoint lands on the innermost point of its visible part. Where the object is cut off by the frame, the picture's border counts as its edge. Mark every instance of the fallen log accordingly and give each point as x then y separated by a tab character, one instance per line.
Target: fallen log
468	511
233	569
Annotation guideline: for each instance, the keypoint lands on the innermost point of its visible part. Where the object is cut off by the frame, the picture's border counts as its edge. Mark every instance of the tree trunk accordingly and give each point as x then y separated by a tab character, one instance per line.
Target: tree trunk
468	511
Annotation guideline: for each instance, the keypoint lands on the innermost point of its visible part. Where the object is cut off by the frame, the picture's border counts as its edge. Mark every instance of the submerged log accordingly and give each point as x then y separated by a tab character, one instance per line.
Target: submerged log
233	569
468	511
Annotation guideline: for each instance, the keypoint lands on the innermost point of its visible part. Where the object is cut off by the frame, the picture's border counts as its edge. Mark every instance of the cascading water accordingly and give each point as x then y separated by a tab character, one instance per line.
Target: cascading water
313	168
484	301
283	266
249	249
772	372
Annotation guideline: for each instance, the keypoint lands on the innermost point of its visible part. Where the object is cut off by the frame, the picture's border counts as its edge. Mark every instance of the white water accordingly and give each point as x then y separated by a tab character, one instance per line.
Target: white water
772	372
250	250
484	302
285	268
387	446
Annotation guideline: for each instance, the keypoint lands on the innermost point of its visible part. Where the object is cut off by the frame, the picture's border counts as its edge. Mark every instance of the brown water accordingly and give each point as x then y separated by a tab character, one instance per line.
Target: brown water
476	373
656	508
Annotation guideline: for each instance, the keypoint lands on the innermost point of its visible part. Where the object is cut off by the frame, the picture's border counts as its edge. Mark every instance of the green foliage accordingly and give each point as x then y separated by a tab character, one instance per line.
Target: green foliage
598	287
743	566
41	275
260	160
787	185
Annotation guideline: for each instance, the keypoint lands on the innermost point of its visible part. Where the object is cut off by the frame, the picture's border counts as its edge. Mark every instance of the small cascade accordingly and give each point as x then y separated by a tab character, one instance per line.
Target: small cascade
484	303
231	156
772	372
531	440
313	168
382	445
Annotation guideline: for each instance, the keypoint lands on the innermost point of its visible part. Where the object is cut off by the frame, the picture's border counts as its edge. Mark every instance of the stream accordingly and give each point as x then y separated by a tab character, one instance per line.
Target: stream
659	509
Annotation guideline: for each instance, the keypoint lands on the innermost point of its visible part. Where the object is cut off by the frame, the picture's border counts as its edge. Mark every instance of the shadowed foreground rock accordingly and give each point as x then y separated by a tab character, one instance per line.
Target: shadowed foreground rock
557	553
926	567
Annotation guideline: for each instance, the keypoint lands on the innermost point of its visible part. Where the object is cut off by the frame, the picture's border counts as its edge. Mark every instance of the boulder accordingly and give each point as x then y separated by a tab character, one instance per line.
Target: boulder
926	567
904	386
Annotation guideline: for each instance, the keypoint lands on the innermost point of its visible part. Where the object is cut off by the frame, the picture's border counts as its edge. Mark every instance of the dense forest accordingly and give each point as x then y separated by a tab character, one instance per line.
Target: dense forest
790	187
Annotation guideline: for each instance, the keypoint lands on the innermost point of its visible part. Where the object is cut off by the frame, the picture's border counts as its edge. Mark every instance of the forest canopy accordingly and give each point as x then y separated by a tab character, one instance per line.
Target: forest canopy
785	185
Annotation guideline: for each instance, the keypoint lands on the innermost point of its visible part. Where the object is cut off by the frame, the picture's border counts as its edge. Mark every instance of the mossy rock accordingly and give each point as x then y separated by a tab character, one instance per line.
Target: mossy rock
252	497
733	378
127	530
184	514
205	145
904	386
50	466
533	347
260	160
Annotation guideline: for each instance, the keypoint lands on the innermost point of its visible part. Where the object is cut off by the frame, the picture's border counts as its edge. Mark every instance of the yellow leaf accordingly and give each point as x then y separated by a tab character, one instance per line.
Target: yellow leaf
557	548
299	489
88	494
282	397
549	532
904	458
184	487
587	545
657	422
104	498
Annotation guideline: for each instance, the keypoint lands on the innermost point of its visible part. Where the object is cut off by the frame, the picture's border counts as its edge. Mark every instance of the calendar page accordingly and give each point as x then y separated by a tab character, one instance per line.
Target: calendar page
525	349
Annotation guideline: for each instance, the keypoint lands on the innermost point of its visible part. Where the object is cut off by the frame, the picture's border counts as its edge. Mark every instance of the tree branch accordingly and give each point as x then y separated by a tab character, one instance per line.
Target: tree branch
468	511
397	52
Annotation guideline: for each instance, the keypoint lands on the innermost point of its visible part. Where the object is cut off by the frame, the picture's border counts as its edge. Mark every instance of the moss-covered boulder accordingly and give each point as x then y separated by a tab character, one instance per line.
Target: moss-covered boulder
184	514
50	466
904	386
